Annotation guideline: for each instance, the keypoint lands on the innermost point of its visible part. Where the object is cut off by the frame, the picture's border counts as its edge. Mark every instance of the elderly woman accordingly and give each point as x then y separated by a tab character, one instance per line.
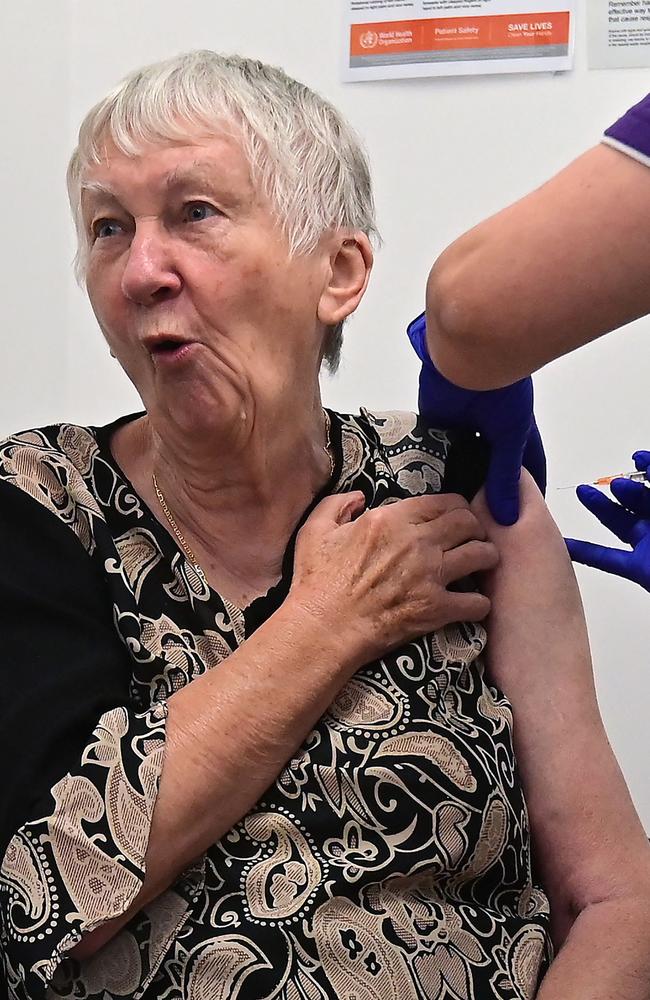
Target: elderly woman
246	752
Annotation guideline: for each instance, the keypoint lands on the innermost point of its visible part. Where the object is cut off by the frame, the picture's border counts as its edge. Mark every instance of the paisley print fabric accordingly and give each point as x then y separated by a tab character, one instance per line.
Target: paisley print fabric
391	857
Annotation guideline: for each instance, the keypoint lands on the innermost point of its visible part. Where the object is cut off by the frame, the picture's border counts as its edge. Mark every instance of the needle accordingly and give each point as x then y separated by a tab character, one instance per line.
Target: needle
636	476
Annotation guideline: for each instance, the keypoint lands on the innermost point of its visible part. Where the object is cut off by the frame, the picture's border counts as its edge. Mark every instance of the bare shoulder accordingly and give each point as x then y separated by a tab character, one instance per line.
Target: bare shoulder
538	635
535	524
535	574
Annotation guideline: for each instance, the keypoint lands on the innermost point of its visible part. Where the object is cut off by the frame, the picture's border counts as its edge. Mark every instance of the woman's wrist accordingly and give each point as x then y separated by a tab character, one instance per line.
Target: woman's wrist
318	640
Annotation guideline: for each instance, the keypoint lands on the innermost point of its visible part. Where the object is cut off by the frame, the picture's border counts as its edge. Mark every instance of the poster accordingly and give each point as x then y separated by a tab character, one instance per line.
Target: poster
384	39
619	33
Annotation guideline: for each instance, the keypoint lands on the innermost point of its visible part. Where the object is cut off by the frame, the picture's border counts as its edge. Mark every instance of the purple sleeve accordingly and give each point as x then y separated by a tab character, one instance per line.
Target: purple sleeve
631	133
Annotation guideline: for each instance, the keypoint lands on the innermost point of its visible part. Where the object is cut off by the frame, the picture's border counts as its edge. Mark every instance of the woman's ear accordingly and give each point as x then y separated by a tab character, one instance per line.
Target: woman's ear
350	262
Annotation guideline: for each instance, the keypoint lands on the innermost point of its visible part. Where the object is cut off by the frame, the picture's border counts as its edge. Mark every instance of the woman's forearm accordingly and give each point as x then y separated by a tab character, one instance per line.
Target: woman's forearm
229	734
606	955
232	731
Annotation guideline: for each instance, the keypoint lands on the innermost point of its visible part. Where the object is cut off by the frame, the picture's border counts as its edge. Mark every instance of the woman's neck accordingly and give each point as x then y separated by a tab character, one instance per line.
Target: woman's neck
235	498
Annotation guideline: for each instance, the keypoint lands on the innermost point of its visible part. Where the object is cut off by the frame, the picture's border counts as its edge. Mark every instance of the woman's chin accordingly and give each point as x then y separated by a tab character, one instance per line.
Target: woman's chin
198	414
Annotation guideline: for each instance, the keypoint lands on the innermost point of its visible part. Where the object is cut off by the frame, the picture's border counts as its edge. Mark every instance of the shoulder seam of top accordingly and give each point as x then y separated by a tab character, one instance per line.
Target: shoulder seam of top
42	442
66	530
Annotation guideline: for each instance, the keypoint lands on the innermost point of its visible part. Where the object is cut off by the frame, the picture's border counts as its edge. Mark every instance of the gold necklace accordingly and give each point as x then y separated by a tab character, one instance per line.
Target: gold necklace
327	448
177	531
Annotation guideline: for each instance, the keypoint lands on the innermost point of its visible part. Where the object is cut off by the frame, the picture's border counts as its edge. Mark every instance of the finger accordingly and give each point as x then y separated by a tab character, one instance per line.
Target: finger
631	495
466	608
502	484
614	517
601	557
337	509
473	557
452	529
641	460
424	509
535	459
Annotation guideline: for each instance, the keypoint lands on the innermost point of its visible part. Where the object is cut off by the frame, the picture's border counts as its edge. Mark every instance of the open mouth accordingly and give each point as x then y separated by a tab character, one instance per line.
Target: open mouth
168	346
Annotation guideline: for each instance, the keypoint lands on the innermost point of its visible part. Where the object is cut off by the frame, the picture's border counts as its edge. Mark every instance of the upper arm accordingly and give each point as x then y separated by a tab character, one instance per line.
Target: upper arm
589	842
557	269
62	664
73	749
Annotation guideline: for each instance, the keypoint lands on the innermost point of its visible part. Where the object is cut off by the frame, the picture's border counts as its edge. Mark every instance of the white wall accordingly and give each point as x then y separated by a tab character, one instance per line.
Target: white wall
33	272
445	153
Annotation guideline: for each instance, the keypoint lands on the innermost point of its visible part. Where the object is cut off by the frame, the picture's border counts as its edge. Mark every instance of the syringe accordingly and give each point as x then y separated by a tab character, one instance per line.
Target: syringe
636	477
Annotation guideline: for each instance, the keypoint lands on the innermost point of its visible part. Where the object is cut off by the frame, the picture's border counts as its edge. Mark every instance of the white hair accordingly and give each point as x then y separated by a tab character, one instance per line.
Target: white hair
304	156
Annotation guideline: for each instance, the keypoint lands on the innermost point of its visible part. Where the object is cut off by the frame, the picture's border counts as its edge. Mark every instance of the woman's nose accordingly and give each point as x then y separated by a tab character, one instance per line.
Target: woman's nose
150	275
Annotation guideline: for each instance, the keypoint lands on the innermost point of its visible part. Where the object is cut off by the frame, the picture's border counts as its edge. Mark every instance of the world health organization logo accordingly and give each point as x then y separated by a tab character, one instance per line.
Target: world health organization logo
369	39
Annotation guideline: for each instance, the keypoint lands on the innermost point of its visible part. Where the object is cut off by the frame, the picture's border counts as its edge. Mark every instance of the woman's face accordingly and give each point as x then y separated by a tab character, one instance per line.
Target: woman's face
191	281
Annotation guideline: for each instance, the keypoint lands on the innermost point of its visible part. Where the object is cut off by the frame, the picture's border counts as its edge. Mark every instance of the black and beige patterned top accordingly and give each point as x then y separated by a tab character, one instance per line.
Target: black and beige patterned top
389	861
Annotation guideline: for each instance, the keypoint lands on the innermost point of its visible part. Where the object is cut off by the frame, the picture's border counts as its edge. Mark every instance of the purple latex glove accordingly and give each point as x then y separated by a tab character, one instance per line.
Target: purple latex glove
629	520
504	417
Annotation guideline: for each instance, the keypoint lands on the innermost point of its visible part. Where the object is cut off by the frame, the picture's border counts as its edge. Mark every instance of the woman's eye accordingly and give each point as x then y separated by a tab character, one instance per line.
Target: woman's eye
104	228
197	211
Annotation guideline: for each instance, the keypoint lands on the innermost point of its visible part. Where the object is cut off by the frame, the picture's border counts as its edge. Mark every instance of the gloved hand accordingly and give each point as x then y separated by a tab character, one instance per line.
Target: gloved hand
504	417
629	519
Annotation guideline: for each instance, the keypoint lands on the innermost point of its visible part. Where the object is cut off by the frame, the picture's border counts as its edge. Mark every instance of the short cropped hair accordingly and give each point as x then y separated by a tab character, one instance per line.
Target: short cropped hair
304	156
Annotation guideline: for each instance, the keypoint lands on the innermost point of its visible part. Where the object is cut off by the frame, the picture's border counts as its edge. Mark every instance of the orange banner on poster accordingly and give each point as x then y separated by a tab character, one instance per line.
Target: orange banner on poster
491	31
